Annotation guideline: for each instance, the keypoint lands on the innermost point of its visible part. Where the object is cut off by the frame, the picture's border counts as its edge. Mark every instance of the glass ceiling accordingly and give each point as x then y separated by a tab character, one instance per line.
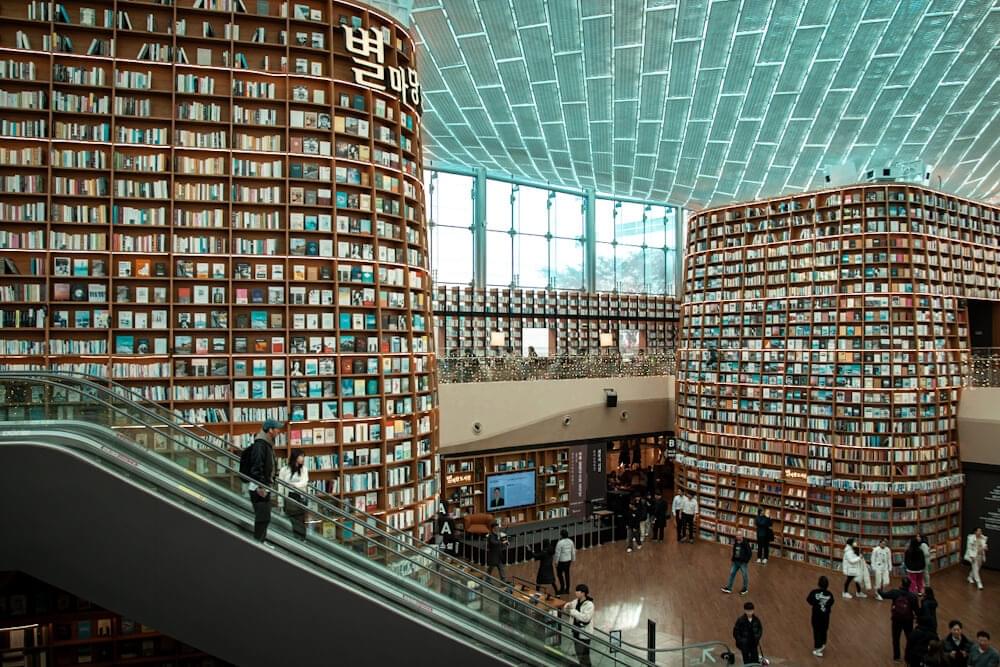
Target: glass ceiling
698	103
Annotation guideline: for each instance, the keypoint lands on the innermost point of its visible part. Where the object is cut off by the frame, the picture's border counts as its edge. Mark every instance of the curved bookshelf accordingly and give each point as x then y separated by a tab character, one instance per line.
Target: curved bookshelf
823	337
220	204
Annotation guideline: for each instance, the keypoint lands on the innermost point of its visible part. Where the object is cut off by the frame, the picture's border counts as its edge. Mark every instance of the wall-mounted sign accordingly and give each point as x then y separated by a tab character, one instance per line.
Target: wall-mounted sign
458	478
370	70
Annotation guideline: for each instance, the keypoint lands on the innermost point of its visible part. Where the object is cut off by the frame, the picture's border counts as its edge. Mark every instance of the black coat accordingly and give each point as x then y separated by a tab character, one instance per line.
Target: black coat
927	616
913	560
546	574
742	553
262	462
747	632
494	549
632	518
916	645
963	645
661	510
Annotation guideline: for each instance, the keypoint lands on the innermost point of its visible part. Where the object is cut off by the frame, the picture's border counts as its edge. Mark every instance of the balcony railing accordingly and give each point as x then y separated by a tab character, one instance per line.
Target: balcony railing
982	370
501	369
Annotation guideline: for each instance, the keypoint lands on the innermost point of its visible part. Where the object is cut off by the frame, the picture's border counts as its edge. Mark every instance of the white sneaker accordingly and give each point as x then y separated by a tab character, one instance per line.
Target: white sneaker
764	561
629	550
639	547
860	595
818	652
878	597
759	560
980	586
969	579
847	596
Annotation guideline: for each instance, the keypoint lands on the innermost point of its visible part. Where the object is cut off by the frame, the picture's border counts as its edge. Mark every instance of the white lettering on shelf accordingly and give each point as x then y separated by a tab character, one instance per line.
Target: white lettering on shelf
370	70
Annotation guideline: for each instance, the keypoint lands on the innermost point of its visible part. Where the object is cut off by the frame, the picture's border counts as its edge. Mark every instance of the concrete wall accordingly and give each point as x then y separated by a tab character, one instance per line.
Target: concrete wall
515	414
979	425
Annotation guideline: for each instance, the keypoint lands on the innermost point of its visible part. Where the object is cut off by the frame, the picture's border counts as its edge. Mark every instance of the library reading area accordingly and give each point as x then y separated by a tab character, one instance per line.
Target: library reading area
515	331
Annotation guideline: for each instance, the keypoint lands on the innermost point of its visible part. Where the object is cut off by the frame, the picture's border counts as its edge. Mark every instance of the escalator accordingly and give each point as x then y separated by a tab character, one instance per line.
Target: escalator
117	500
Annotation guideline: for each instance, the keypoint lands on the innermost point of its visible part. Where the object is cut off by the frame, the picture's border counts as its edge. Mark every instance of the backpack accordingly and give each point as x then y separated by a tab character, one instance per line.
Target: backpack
246	460
902	610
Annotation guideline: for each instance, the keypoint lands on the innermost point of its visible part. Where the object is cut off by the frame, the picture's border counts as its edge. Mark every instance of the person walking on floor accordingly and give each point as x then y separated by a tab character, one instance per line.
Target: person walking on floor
765	535
982	654
914	561
881	559
295	474
690	511
747	633
633	522
644	505
740	557
257	463
544	555
927	614
928	552
495	543
956	645
581	610
901	613
821	600
851	566
918	643
975	553
659	516
678	511
565	555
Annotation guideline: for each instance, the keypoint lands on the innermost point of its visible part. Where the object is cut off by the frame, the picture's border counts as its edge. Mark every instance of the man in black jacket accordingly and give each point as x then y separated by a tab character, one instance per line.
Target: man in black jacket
633	522
494	552
659	516
741	556
747	633
902	613
956	645
262	472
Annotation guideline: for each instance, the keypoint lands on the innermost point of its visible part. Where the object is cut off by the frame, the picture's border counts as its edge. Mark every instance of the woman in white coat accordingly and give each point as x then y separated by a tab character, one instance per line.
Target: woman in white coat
296	475
852	565
975	553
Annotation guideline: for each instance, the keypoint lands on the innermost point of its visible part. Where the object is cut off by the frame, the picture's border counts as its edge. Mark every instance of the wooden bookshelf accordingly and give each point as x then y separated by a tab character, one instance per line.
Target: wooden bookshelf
464	318
822	346
47	626
219	203
463	482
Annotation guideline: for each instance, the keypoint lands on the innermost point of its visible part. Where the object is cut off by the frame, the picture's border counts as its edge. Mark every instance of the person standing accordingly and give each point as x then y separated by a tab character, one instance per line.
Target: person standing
296	475
928	552
690	511
975	553
645	506
544	555
851	566
915	562
881	565
678	510
902	612
633	522
747	633
495	543
740	557
581	610
925	632
927	616
565	555
956	645
659	516
982	654
261	470
821	600
765	534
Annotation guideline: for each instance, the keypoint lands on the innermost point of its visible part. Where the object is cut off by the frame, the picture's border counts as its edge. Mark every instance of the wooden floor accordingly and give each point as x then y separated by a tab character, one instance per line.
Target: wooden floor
677	586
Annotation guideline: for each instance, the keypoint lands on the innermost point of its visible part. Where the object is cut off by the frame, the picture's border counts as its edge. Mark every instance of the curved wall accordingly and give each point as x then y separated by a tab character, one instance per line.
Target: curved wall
820	364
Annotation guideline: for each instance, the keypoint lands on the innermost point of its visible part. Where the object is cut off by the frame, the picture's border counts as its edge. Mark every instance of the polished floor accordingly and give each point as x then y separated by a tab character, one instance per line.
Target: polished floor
677	586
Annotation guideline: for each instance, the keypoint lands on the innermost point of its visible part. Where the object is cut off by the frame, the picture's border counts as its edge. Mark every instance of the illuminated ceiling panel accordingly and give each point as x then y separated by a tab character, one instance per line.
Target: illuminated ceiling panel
701	102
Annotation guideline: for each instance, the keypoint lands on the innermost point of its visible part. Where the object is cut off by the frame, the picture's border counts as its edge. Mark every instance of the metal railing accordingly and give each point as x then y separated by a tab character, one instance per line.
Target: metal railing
566	367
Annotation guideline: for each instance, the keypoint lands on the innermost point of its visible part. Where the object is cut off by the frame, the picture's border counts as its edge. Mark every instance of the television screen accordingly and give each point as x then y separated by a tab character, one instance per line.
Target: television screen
510	489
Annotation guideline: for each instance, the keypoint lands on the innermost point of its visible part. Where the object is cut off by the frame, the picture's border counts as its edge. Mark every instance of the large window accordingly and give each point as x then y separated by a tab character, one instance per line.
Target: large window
536	237
450	211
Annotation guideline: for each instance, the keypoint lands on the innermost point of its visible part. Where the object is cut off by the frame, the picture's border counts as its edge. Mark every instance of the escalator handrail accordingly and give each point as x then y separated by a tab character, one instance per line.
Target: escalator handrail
409	543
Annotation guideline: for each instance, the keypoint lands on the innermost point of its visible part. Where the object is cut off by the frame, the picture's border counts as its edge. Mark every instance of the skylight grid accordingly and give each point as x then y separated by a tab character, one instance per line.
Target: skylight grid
703	102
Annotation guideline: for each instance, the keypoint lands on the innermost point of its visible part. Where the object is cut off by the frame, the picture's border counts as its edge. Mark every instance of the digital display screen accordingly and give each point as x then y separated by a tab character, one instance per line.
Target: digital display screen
510	489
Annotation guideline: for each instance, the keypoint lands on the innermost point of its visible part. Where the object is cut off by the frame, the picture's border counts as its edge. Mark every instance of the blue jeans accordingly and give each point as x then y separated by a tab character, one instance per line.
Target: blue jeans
742	569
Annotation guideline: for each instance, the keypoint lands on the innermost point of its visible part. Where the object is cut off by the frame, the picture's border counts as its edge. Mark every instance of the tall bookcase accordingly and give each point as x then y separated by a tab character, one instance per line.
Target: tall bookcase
823	338
219	204
464	482
465	317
